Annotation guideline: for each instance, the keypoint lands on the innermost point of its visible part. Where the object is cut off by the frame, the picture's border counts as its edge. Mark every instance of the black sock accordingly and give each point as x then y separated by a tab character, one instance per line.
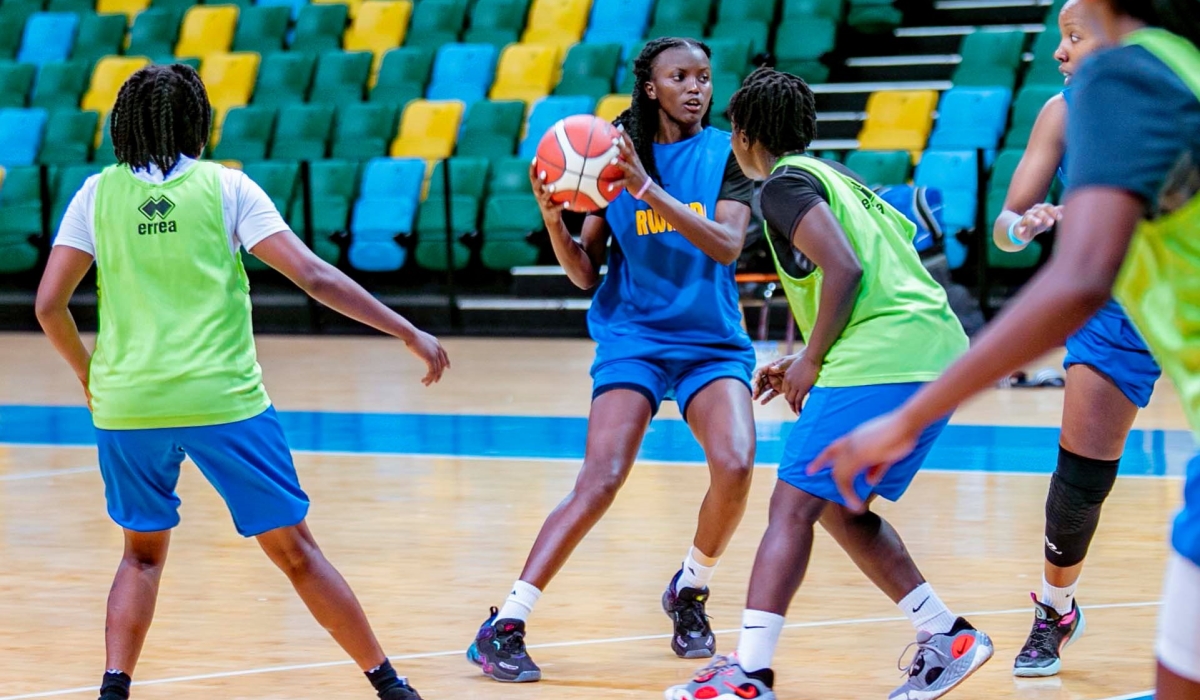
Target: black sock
766	676
383	677
114	686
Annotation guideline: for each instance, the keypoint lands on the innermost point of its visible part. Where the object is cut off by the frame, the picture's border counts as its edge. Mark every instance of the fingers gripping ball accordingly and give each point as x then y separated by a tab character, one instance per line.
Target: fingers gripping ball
575	161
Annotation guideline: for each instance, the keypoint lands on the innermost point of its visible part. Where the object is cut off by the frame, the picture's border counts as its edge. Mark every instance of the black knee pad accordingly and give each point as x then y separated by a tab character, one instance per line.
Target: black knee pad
1077	492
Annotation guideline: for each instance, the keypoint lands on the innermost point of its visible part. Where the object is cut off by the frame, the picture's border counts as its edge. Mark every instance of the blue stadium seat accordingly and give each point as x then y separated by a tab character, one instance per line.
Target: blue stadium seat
954	173
21	136
619	22
970	118
463	72
294	5
49	37
545	114
386	209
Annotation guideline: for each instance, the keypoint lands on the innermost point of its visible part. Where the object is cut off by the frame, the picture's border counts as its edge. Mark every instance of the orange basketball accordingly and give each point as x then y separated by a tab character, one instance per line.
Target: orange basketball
574	159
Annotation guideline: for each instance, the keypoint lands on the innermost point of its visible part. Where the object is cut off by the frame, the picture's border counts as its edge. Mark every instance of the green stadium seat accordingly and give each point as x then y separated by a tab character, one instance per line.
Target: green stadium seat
79	7
153	35
1003	169
430	250
302	132
402	76
341	77
246	134
739	10
364	131
509	176
990	59
508	219
61	85
69	138
98	36
880	167
177	6
319	28
278	180
20	10
104	154
724	85
1026	108
468	178
334	186
436	22
589	70
491	129
1044	69
283	79
801	9
873	16
800	45
679	18
731	56
16	81
497	22
692	29
262	29
66	181
20	219
757	33
12	24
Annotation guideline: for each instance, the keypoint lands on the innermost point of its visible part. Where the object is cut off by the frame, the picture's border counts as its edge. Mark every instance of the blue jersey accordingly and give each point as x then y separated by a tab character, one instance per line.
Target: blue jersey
663	298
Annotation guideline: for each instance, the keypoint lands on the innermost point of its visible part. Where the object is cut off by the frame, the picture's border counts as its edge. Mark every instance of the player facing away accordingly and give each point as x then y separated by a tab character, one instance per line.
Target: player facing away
1110	375
174	372
667	322
1131	219
857	288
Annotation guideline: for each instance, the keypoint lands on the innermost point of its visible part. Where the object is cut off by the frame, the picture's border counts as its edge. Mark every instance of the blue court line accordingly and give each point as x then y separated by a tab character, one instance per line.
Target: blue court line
962	448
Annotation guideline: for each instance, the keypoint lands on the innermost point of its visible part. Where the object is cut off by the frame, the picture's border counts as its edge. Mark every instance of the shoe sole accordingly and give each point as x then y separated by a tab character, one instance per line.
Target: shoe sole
1054	668
681	693
706	653
526	677
983	654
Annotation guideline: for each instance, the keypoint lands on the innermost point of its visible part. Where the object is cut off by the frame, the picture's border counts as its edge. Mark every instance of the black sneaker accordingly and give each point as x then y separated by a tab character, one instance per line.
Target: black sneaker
1051	633
499	649
404	691
693	637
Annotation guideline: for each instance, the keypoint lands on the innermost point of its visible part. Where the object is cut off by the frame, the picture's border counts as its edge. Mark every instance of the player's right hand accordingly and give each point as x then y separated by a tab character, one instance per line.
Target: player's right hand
1039	219
768	379
432	353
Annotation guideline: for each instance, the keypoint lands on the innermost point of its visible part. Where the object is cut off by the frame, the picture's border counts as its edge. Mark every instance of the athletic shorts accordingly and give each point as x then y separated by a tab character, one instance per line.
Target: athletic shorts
679	380
1178	645
1110	344
248	462
832	412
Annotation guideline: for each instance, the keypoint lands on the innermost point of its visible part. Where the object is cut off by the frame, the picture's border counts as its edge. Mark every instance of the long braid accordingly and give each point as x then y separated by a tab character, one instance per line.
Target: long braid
161	113
775	109
641	119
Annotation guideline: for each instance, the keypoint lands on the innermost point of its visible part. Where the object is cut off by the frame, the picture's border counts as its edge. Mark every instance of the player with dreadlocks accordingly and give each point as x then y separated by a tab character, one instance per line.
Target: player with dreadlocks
857	288
667	324
174	370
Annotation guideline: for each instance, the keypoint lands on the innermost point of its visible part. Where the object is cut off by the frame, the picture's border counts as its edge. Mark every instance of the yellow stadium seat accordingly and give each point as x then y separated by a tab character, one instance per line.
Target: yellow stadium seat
207	29
230	79
110	74
557	22
129	8
526	72
428	129
352	6
379	26
898	121
611	106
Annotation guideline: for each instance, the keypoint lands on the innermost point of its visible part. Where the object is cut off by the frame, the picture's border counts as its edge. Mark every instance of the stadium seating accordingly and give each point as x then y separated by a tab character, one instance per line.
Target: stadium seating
207	30
618	22
69	137
680	18
589	69
99	36
284	78
363	131
48	37
129	8
352	6
21	133
1043	71
559	23
971	118
526	72
955	174
990	59
468	177
262	29
545	114
898	120
436	22
491	129
65	182
294	6
16	81
611	106
496	22
1003	170
1028	106
246	135
230	79
20	219
801	44
302	132
379	26
341	77
880	168
154	35
462	72
428	129
385	210
403	76
319	28
334	186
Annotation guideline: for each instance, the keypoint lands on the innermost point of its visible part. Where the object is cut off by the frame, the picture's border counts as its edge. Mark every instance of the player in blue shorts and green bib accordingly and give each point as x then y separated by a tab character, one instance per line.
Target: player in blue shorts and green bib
667	324
877	327
1130	225
174	372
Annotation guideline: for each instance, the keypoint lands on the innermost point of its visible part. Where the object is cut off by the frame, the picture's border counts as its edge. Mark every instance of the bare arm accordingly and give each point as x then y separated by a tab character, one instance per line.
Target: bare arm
1031	182
580	260
821	239
286	253
64	271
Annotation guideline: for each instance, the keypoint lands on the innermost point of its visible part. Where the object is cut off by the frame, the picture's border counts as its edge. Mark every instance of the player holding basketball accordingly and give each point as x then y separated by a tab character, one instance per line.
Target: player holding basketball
666	321
174	372
858	291
1133	209
1110	375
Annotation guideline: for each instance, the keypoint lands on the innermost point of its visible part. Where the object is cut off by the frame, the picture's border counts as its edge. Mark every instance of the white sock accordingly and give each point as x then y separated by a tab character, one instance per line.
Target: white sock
926	610
520	602
698	570
1058	598
760	635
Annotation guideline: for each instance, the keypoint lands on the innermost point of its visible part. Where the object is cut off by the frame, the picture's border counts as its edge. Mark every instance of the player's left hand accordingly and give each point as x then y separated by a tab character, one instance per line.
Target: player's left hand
799	380
872	448
87	393
630	164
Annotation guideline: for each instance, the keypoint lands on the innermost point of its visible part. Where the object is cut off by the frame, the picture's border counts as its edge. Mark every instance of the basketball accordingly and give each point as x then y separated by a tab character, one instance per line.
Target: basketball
574	159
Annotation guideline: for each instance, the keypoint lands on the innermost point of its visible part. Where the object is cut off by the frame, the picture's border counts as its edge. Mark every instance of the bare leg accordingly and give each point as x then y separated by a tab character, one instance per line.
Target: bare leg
1174	687
324	591
722	418
783	555
876	549
133	597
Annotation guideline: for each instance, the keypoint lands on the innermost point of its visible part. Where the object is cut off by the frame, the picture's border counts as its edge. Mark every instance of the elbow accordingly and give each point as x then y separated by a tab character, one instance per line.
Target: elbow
316	278
728	257
46	309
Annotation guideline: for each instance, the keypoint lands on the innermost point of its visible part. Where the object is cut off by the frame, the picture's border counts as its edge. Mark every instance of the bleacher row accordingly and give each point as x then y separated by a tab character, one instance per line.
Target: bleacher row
373	93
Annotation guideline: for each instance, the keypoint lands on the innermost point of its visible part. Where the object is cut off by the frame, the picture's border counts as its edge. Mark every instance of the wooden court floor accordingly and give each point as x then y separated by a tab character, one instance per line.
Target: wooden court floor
430	540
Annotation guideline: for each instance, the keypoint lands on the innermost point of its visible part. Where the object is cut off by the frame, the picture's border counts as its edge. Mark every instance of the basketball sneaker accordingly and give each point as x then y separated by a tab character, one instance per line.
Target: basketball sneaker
499	649
943	661
724	679
404	691
1052	632
693	638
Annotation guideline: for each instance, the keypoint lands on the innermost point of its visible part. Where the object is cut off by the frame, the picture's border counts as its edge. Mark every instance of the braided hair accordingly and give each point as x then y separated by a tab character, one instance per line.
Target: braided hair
641	119
775	109
162	112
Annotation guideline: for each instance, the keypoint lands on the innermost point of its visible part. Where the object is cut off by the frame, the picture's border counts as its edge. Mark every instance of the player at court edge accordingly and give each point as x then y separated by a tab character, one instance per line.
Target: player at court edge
667	323
858	290
1131	219
1110	375
174	371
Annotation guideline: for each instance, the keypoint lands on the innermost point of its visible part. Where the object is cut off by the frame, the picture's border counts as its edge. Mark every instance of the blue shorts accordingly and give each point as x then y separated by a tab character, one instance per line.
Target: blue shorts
1185	537
669	379
832	412
248	462
1110	344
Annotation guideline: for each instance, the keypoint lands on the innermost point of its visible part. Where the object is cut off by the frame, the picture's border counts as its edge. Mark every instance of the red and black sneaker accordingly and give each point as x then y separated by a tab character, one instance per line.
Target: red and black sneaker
724	679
